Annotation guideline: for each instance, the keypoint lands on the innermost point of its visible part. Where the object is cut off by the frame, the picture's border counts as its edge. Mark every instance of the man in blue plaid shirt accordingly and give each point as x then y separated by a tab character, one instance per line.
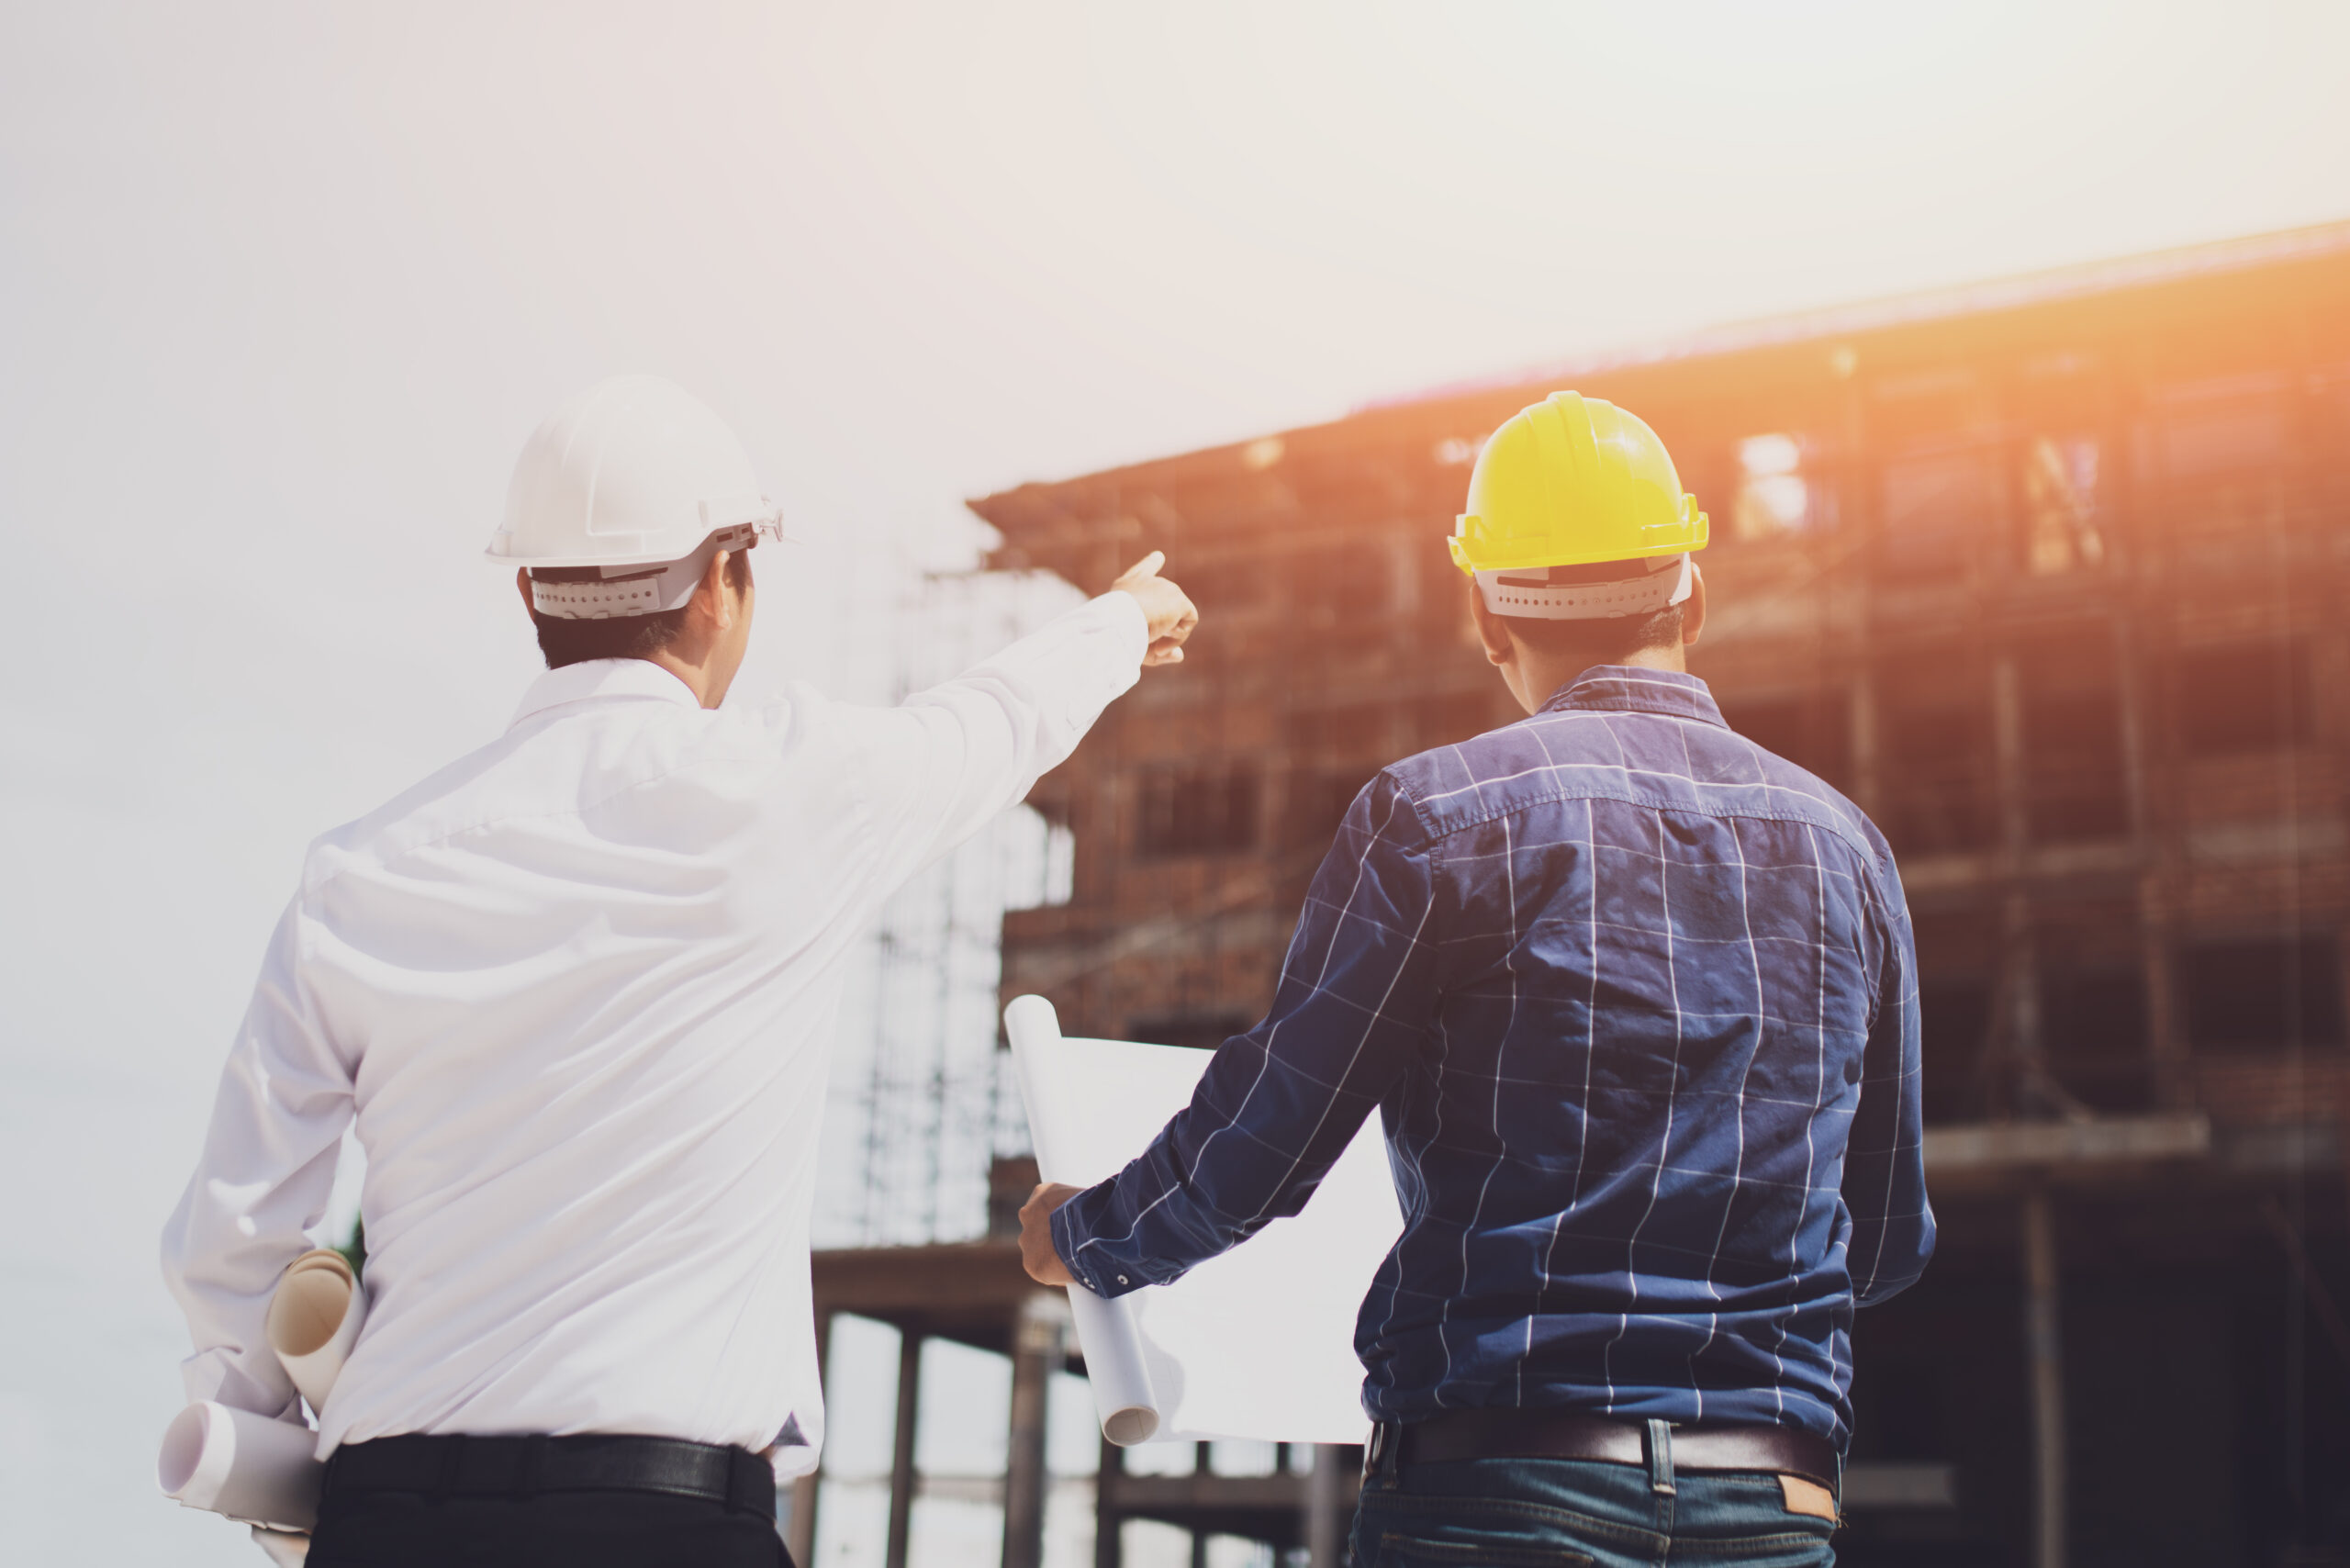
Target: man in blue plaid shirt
1636	1000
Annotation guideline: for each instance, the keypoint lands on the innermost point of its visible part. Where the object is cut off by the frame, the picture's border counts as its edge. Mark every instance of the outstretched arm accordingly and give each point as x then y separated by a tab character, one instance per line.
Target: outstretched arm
1280	1104
949	759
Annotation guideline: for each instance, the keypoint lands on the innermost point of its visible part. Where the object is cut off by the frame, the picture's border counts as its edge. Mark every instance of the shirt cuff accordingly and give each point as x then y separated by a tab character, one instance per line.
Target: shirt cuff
1105	1282
1127	609
1115	616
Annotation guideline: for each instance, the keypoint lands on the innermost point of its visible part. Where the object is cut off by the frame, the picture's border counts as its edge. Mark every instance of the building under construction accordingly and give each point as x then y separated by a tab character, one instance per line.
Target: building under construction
2047	575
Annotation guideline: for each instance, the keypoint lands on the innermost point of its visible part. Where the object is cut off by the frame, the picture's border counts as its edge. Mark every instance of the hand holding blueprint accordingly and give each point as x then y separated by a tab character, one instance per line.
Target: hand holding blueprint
251	1467
1258	1343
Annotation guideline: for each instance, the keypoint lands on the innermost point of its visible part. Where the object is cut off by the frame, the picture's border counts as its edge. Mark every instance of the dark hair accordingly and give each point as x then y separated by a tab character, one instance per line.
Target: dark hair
1608	642
621	637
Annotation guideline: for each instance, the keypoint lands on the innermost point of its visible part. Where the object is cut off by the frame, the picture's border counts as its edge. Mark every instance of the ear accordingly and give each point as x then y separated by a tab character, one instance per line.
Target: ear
1693	609
712	601
1499	649
522	582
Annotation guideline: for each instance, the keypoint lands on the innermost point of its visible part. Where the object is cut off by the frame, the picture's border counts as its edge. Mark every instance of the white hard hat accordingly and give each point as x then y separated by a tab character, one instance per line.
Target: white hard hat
625	493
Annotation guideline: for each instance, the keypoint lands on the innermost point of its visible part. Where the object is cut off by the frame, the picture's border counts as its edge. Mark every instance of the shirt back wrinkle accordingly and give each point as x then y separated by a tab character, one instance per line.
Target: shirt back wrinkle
527	775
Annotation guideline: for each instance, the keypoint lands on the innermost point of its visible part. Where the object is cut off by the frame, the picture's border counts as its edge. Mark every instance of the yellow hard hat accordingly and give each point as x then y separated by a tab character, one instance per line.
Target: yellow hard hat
1570	481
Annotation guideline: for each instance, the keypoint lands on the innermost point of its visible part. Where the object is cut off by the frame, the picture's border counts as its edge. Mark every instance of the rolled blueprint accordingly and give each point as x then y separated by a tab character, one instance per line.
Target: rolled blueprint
1255	1343
249	1467
1113	1365
314	1320
1105	1329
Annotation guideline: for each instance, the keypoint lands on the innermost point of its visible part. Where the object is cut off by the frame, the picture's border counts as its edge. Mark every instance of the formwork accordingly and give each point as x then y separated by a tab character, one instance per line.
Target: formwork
2047	574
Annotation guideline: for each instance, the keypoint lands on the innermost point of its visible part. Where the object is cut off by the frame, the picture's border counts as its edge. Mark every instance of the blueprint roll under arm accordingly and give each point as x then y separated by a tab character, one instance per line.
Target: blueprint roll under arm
314	1320
251	1467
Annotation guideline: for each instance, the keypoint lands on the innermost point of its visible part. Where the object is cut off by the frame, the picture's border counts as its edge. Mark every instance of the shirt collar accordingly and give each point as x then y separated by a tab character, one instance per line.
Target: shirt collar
1623	688
599	678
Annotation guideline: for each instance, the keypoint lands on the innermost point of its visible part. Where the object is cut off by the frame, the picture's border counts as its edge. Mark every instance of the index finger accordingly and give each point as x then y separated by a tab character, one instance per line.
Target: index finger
1146	567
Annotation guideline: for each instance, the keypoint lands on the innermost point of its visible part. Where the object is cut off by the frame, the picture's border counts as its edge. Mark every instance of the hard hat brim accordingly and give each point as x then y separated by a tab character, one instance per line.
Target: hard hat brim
1472	551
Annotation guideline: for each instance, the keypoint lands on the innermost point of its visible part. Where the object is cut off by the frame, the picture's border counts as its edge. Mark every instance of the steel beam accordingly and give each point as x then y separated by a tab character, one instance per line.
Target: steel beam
2043	1357
1035	1351
1326	1535
901	1458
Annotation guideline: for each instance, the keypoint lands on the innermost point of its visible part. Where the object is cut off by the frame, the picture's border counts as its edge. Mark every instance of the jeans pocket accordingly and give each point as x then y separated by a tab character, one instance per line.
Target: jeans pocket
1400	1551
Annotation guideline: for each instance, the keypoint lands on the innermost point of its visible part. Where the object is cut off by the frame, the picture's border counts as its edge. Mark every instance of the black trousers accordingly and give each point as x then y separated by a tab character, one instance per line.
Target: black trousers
553	1529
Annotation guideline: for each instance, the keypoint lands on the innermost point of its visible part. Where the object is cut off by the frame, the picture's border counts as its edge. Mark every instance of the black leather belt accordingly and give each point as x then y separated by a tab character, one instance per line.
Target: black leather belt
1561	1434
460	1466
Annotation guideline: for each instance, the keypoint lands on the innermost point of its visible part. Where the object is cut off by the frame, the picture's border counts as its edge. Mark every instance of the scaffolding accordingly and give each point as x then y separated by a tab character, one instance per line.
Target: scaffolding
923	1101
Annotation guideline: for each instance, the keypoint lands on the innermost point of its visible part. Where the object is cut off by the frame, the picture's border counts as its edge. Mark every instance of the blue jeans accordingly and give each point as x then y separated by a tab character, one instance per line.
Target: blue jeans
1561	1513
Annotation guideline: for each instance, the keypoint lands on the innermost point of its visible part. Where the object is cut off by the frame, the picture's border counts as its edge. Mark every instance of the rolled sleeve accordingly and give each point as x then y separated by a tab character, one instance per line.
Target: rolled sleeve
947	760
1279	1104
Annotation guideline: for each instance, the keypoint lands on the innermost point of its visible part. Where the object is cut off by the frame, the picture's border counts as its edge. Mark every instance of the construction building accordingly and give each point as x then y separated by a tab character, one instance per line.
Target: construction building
2047	574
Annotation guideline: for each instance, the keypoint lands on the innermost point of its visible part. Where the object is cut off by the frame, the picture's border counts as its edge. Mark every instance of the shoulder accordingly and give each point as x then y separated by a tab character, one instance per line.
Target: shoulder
563	764
1644	760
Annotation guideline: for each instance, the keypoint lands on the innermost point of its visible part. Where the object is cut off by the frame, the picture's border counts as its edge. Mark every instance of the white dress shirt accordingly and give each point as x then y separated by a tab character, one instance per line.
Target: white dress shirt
579	991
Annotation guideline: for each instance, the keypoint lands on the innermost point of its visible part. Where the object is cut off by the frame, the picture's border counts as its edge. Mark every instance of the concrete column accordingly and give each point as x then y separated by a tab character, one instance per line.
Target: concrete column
2171	1070
1109	1551
1868	782
2043	1357
1325	1534
901	1458
2007	744
2029	1077
2130	704
1203	1463
1035	1351
799	1529
2168	1066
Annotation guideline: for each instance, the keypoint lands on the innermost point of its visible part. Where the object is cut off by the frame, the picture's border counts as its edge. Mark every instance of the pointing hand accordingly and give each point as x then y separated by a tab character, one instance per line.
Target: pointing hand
1169	611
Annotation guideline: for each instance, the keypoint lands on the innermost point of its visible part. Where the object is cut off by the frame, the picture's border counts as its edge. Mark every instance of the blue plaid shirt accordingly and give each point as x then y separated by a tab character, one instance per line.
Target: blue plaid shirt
1637	1003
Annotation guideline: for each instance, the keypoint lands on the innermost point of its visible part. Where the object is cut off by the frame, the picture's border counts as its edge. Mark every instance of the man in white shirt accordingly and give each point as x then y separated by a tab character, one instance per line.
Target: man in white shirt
578	990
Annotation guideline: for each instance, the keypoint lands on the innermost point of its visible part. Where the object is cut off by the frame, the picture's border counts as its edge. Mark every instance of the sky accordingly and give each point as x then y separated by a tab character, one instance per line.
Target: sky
283	288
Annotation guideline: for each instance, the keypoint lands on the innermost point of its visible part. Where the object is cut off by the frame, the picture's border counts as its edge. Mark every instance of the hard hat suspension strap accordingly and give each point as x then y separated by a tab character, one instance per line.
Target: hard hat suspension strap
611	593
1600	590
